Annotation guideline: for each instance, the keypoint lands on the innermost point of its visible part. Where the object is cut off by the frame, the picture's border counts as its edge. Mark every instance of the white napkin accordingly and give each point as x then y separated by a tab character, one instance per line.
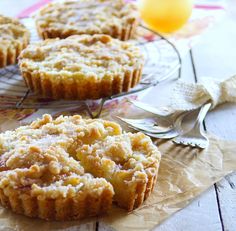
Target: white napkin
190	96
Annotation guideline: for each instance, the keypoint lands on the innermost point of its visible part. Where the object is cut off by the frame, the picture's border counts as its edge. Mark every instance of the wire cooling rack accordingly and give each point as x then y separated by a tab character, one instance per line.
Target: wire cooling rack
163	62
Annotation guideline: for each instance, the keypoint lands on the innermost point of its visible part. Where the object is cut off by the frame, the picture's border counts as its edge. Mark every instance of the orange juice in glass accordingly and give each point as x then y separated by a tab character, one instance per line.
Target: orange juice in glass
165	16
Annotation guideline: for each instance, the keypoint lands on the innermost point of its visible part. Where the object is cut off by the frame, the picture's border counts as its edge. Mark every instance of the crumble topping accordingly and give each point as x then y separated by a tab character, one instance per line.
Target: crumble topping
87	16
95	56
11	31
126	151
40	155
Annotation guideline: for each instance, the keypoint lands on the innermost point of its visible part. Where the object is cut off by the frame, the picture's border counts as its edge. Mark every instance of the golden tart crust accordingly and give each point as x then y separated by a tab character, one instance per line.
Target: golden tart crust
81	67
71	168
14	37
118	18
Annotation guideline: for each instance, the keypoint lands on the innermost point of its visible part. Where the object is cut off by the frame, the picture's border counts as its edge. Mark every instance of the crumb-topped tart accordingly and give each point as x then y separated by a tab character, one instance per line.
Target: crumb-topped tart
116	18
71	168
14	37
81	67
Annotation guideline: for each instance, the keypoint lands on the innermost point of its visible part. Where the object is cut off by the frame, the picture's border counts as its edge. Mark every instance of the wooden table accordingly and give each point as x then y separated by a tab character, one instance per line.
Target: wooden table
214	56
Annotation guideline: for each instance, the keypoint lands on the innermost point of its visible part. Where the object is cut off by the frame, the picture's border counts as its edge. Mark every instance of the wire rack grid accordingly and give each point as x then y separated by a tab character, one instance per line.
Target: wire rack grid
163	62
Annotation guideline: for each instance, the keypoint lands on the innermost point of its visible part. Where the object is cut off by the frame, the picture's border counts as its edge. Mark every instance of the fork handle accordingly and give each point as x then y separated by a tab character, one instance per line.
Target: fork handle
202	114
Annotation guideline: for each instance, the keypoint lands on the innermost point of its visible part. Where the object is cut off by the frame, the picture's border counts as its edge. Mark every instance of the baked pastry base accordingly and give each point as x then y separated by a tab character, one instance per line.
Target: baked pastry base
9	55
83	206
79	88
124	34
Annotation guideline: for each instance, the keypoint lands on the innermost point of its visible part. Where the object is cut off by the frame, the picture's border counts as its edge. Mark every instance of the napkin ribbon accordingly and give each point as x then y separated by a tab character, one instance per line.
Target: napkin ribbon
188	96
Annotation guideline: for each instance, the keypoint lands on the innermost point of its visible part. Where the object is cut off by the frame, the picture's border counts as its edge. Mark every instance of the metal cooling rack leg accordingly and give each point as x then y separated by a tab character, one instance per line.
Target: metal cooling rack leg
18	105
98	111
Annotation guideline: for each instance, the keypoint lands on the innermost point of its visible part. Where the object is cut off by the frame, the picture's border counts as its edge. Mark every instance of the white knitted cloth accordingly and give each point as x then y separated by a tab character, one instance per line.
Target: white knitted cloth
190	96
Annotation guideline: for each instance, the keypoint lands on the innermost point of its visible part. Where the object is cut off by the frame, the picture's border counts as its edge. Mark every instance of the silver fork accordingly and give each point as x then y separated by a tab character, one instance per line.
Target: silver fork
149	127
163	114
196	136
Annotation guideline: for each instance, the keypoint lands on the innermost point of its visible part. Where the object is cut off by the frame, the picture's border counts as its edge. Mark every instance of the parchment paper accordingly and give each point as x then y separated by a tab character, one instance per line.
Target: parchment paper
184	174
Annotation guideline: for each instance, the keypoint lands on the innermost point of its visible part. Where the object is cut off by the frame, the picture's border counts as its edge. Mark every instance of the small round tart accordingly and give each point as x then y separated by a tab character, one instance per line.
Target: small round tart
118	18
81	67
14	37
71	168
